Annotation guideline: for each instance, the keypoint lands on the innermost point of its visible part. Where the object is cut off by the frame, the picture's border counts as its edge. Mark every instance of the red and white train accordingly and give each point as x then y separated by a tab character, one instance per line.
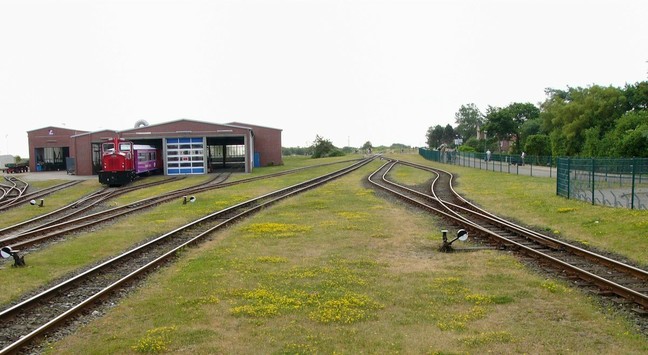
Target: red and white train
122	161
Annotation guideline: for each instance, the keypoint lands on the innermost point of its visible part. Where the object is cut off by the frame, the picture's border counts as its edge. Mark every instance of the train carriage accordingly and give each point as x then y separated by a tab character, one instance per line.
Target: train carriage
123	161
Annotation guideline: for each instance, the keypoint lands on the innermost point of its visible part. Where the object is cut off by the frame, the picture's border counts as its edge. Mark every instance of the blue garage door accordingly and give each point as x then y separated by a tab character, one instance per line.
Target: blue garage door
185	156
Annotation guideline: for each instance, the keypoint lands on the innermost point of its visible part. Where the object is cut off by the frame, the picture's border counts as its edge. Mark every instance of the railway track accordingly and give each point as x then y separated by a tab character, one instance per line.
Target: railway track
12	192
27	197
75	208
52	230
44	228
33	318
611	277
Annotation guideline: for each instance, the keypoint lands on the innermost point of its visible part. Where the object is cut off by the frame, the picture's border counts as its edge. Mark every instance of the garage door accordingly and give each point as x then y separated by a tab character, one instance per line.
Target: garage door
185	156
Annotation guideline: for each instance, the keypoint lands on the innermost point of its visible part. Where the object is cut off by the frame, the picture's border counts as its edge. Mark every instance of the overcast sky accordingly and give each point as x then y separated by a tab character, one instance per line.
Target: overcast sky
350	71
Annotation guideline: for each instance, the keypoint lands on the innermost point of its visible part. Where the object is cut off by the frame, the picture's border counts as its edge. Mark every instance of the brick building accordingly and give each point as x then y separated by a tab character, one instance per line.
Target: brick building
187	147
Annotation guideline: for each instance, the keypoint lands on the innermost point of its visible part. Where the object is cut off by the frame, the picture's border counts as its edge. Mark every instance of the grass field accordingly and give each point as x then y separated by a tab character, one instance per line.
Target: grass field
533	202
343	270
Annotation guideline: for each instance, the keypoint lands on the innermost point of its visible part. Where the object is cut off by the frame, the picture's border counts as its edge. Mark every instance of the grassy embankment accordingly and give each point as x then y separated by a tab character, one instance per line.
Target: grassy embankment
343	270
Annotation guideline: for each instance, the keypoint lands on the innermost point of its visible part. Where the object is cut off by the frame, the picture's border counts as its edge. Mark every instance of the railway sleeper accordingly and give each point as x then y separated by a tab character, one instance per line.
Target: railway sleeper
640	311
620	300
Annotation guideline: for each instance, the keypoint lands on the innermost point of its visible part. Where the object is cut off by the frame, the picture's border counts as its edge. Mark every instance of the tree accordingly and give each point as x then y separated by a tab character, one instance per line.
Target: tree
592	144
521	113
473	145
468	120
630	136
538	144
324	148
399	146
506	123
559	143
575	111
286	151
434	136
499	123
448	135
637	96
367	146
596	121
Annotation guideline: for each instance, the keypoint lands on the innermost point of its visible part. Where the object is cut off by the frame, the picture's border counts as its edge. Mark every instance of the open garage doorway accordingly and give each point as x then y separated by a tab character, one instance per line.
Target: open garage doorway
51	158
226	154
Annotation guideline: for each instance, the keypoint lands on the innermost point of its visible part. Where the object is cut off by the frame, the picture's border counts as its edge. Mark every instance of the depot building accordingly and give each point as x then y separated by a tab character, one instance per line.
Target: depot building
187	147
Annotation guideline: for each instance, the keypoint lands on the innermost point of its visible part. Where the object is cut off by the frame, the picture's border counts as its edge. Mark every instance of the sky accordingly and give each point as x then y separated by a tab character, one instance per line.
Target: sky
349	71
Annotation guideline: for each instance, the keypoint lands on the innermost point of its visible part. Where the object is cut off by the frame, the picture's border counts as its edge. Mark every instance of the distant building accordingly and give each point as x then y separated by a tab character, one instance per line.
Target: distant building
188	147
504	145
6	159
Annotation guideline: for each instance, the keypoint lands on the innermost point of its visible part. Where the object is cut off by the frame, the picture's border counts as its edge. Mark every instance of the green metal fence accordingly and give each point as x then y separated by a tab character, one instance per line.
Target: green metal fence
610	182
542	166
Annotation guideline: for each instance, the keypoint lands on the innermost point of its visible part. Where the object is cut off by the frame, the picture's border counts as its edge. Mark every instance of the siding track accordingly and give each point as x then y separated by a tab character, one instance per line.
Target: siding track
35	318
611	277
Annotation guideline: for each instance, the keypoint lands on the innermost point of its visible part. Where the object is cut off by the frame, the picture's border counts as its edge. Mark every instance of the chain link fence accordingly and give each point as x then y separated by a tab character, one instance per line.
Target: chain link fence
540	166
610	182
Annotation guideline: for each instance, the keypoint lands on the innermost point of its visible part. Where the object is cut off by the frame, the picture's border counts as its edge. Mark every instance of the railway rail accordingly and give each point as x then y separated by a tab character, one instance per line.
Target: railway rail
611	277
49	231
26	197
33	318
77	207
24	235
13	192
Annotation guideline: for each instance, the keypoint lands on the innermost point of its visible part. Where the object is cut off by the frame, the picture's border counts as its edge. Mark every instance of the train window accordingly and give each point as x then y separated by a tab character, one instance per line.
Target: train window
124	147
108	147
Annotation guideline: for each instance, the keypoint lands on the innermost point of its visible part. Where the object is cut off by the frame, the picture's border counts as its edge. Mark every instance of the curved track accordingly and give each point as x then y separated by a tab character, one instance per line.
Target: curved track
33	318
609	275
13	192
43	228
75	208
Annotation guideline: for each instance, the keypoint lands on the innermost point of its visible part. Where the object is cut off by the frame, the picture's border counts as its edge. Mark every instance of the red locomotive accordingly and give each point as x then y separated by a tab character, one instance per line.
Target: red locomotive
122	161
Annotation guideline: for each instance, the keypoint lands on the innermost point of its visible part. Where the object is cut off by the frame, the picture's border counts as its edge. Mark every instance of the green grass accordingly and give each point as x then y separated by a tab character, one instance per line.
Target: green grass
51	202
341	270
533	201
105	241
